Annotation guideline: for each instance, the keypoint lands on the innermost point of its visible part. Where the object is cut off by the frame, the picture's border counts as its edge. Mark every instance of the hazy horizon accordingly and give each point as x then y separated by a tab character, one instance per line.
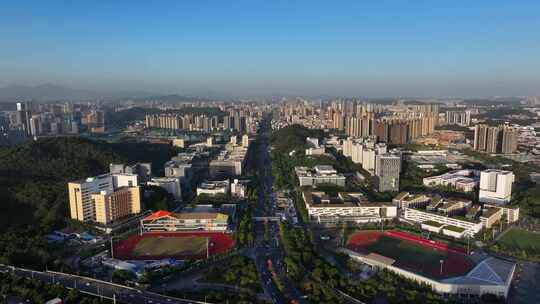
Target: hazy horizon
251	48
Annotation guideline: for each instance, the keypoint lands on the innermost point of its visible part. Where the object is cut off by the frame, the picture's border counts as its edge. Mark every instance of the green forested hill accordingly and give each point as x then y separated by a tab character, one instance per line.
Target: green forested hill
33	184
33	178
293	137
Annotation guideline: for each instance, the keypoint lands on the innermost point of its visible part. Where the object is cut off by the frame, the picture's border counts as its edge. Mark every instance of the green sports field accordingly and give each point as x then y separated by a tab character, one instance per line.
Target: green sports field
171	246
413	256
522	240
405	252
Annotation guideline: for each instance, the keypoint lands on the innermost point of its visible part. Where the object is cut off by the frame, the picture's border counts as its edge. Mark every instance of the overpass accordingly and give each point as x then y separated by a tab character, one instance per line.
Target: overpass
98	288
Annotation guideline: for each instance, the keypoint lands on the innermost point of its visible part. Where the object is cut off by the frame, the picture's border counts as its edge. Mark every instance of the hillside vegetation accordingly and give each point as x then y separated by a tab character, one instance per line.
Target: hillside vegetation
293	138
33	187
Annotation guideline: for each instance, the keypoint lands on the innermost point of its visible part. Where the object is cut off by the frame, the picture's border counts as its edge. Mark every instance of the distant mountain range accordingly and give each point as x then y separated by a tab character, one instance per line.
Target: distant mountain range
51	92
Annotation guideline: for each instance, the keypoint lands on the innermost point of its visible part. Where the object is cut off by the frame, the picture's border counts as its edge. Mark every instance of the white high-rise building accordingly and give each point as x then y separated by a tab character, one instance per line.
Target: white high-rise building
368	160
496	186
170	184
233	140
245	141
312	141
347	147
125	180
387	169
356	153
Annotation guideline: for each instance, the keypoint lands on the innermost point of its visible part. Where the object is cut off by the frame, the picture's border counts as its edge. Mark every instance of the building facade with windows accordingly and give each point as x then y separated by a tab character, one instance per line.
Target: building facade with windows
496	186
345	207
111	206
82	205
319	175
164	221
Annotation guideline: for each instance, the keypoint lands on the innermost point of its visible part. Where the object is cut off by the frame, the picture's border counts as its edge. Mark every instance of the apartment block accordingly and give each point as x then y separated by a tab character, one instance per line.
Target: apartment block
502	139
387	169
496	186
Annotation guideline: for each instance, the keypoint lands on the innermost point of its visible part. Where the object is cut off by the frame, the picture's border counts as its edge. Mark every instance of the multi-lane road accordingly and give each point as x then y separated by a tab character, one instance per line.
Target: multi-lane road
270	249
122	294
265	250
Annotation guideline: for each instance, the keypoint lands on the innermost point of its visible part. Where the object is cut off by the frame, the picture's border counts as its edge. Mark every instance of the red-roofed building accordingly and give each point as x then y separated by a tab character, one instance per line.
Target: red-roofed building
165	221
156	215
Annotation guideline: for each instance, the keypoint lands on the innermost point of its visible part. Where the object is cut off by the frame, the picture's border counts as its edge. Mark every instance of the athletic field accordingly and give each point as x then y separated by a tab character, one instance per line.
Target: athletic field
178	245
516	239
413	253
171	246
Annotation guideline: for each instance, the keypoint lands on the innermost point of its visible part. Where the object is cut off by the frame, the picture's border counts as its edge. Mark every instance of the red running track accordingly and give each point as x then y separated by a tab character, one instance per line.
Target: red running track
429	243
456	263
222	243
358	240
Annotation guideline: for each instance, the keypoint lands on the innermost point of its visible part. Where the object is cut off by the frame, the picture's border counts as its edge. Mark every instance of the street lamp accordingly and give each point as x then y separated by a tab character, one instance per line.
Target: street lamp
112	253
441	262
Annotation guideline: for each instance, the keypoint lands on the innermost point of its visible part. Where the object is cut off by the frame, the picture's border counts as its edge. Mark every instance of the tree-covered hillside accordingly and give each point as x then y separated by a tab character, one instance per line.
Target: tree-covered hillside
33	185
293	138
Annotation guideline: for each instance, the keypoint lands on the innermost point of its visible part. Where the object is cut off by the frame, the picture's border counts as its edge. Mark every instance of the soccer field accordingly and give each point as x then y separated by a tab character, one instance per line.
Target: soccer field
412	256
171	246
405	252
519	239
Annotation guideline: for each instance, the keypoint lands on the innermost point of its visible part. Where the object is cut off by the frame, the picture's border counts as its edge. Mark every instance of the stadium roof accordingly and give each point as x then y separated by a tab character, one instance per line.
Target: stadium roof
188	215
380	258
491	271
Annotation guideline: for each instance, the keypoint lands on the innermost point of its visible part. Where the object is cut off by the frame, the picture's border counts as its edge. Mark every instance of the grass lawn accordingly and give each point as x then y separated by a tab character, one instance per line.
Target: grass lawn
170	246
405	252
420	259
518	239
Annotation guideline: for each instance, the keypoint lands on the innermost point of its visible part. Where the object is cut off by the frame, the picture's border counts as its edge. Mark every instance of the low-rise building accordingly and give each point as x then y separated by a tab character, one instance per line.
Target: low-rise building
165	221
142	170
230	162
239	188
213	188
406	200
319	175
490	215
345	207
471	227
315	151
463	180
456	218
511	213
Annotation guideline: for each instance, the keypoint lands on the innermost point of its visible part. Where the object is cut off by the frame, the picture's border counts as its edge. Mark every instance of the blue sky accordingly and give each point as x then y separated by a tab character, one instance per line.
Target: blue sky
379	48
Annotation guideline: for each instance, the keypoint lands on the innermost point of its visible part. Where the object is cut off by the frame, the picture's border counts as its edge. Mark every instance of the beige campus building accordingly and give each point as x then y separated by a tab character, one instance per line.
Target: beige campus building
104	198
110	206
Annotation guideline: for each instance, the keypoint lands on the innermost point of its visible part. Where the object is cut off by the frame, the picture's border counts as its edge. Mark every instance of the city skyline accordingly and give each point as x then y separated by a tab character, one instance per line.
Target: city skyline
261	49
